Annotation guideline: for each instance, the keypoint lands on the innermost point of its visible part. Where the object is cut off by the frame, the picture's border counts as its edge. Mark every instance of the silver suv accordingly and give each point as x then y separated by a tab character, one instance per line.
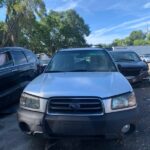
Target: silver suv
81	93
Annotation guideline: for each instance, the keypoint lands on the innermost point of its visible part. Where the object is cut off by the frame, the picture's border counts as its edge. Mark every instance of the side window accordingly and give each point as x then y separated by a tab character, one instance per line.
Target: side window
19	57
5	60
31	57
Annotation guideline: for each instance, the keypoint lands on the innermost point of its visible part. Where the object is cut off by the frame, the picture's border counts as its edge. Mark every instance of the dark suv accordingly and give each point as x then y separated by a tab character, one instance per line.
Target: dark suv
130	65
18	66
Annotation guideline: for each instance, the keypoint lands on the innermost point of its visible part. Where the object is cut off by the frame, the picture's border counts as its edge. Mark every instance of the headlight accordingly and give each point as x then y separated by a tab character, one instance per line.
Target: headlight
30	101
123	101
33	102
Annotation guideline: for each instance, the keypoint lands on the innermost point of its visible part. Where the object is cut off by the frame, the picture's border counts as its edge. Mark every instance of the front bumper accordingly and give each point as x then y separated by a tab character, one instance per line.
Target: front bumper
140	77
108	125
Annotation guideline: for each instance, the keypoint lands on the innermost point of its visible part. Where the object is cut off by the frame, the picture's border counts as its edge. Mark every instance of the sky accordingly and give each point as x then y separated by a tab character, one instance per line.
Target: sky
107	19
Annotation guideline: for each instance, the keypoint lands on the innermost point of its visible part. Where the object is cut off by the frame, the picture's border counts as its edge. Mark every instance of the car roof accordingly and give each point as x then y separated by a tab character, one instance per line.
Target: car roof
80	49
122	51
145	55
3	49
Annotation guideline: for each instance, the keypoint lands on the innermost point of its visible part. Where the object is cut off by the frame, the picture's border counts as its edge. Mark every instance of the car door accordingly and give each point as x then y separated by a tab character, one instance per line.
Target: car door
33	64
7	78
22	67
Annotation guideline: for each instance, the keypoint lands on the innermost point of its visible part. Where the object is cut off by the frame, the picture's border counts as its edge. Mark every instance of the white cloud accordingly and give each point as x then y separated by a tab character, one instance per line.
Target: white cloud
139	25
107	39
147	5
107	35
68	4
122	26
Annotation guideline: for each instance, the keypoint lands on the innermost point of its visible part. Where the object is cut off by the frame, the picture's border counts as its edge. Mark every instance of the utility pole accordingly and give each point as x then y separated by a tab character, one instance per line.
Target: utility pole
147	29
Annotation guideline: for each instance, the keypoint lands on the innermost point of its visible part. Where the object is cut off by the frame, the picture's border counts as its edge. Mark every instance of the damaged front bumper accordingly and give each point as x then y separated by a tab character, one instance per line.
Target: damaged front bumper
140	77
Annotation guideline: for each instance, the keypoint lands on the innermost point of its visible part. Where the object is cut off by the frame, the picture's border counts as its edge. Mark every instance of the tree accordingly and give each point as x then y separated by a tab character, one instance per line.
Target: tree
62	30
74	29
28	25
148	36
127	41
3	28
118	42
19	13
139	42
137	35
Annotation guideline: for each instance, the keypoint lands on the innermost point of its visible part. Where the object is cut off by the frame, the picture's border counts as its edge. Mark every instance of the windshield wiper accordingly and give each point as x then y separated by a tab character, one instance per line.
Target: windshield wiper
53	71
83	70
79	70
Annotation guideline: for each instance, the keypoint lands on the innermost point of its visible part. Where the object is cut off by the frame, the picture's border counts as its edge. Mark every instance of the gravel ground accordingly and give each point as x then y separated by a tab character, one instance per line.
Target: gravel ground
11	138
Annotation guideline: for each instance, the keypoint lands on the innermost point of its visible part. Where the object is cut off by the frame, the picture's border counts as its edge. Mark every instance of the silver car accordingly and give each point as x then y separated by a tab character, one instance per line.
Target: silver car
146	58
80	94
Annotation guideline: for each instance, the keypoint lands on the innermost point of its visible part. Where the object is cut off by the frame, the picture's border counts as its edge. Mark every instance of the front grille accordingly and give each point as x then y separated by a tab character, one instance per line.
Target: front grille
75	105
131	71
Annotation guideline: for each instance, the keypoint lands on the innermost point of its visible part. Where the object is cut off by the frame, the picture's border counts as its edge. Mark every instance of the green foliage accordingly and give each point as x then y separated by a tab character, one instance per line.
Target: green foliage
139	42
28	25
56	30
19	16
128	41
137	35
66	29
135	38
3	28
118	42
148	36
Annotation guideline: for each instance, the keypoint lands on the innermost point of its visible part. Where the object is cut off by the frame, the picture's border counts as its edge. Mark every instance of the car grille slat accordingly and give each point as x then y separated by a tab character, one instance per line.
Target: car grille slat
64	103
131	71
75	105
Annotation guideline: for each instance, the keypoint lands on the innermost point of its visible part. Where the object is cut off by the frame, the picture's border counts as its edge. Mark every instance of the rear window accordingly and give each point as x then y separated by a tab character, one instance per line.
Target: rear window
19	57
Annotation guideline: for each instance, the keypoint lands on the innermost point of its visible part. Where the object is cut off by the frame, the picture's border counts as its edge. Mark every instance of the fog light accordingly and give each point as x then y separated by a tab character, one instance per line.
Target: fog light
125	128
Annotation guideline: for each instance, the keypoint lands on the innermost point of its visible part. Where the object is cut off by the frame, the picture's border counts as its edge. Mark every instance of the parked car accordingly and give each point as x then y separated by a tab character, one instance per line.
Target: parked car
146	58
43	61
130	65
42	56
43	64
81	93
17	67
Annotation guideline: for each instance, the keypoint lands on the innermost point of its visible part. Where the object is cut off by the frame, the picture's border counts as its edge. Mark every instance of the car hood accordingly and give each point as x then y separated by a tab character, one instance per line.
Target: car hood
139	64
103	85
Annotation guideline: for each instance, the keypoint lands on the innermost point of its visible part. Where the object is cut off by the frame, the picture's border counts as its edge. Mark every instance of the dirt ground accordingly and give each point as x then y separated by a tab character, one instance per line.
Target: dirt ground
11	138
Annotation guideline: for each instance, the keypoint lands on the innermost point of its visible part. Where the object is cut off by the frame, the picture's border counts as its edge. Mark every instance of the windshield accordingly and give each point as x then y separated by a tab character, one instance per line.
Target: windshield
81	61
125	56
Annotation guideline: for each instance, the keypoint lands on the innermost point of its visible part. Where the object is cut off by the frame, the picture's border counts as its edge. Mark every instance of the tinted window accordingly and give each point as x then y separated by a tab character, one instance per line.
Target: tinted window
30	56
19	57
125	56
5	60
76	61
